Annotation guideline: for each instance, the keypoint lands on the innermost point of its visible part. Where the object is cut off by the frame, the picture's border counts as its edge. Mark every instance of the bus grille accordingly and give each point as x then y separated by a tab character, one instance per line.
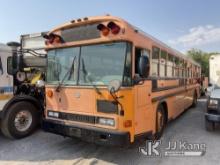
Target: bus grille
77	117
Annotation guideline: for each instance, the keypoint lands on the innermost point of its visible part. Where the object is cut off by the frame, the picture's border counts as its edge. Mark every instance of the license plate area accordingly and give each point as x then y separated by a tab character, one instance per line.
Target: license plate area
75	132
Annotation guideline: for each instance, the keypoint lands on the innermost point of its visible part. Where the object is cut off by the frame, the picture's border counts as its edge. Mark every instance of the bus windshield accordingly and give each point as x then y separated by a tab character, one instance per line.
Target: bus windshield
94	64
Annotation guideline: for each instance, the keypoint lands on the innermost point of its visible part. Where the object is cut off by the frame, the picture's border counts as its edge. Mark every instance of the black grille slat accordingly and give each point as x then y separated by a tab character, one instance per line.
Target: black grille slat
77	117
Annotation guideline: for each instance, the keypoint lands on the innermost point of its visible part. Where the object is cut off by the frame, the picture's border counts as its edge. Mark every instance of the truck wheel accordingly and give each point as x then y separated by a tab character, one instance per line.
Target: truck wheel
160	121
20	120
194	100
210	126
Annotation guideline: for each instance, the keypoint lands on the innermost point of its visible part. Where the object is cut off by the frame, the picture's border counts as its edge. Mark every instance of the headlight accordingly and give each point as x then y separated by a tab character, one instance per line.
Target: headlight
106	121
53	114
213	102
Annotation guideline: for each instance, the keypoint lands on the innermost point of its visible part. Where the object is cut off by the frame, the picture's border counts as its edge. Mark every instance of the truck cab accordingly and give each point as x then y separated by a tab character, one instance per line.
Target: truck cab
22	71
212	115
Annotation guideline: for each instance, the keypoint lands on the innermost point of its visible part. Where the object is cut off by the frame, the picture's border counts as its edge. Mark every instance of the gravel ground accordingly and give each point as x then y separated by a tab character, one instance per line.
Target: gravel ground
45	148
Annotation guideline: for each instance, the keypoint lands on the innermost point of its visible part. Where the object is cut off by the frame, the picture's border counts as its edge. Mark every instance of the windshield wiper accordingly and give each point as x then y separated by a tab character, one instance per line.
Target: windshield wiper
69	72
85	74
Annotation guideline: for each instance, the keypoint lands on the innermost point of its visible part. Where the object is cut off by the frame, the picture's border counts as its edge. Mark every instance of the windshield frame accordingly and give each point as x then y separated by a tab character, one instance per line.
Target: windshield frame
128	52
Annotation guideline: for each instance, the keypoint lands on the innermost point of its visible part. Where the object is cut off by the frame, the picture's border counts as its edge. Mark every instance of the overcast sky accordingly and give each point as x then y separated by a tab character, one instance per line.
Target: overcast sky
182	24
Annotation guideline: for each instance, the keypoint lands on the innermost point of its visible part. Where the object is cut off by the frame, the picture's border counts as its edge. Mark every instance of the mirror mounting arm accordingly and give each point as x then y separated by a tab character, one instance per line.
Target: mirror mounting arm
138	81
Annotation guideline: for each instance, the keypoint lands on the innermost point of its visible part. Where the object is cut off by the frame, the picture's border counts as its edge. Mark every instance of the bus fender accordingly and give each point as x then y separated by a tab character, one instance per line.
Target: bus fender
164	103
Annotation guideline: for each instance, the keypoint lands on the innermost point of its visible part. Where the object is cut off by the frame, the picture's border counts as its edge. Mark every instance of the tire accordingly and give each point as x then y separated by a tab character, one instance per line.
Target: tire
210	126
15	125
194	104
160	122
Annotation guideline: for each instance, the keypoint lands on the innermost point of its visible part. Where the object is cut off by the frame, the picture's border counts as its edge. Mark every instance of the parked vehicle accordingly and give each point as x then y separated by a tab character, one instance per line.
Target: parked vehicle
212	116
22	71
110	83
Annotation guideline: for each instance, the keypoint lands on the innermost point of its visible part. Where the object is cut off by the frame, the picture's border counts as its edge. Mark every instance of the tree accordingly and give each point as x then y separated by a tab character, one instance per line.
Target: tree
202	58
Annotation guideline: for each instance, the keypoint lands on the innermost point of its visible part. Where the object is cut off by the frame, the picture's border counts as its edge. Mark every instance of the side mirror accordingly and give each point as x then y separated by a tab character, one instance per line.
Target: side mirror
210	85
114	86
144	66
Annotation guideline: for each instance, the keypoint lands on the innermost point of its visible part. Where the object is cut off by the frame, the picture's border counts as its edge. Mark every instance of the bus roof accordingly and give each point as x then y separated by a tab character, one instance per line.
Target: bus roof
88	20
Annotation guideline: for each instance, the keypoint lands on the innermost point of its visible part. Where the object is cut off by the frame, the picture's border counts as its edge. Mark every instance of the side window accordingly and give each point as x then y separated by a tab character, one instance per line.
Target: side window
176	66
138	53
155	61
163	62
181	68
170	65
137	56
1	67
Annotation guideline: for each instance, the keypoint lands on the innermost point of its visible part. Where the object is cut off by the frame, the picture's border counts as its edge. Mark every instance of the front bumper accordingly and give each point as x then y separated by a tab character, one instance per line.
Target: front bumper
87	133
212	117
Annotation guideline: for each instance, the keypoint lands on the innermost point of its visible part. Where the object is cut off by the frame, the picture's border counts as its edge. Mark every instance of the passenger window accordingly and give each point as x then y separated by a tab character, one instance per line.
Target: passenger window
1	67
170	64
155	61
163	59
181	68
176	67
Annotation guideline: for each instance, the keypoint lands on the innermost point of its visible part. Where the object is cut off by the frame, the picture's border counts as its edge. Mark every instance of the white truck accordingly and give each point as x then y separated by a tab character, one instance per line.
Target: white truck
212	116
22	69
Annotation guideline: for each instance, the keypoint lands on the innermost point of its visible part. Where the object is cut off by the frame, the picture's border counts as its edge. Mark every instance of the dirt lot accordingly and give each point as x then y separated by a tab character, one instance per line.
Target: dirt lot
45	148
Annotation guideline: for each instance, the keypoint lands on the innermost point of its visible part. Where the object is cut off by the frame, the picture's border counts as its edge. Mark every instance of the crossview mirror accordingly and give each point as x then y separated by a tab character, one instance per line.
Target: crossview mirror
144	66
114	86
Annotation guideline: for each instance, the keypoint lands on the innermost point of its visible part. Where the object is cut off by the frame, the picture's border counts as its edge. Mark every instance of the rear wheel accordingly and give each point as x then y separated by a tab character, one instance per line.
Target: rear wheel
20	120
210	126
160	121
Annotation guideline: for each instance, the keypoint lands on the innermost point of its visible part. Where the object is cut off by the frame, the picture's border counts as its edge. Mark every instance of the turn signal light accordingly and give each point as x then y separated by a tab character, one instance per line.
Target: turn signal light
105	30
50	93
127	123
115	29
53	39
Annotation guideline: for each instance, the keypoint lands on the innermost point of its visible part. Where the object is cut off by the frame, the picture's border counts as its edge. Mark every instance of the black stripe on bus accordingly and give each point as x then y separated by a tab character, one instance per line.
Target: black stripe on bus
166	96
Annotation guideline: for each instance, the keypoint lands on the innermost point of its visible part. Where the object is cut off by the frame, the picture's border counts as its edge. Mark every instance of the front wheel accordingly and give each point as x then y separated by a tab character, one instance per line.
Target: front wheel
21	120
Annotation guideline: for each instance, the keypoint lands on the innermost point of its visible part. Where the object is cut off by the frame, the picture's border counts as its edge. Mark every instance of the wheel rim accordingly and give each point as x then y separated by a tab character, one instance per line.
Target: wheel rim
23	120
160	121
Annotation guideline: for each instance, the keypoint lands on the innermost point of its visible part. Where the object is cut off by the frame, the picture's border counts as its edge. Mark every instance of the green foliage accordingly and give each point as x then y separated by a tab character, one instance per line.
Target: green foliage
202	58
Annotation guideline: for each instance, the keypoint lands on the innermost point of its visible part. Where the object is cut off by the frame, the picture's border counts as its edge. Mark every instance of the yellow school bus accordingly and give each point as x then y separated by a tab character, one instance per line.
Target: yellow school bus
110	83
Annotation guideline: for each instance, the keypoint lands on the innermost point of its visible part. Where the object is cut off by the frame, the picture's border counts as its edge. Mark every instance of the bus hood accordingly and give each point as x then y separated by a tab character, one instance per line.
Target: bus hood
72	99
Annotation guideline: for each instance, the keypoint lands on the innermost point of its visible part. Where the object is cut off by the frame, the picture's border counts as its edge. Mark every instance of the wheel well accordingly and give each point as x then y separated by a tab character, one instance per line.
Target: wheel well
23	99
164	104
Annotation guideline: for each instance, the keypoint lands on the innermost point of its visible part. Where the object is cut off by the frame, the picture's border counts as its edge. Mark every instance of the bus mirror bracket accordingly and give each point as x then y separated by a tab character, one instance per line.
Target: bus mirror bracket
114	86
